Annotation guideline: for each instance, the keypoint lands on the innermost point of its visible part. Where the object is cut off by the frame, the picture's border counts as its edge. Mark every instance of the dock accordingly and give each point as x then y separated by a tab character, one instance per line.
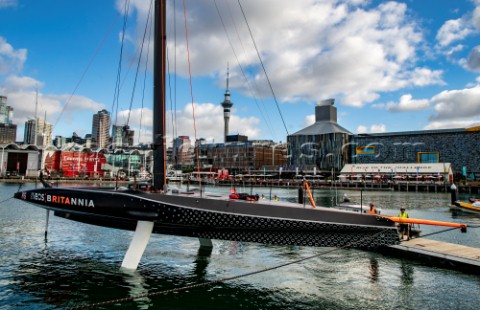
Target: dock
443	254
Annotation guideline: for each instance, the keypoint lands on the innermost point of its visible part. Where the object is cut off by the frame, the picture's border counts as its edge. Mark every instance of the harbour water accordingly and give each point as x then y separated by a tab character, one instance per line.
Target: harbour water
79	265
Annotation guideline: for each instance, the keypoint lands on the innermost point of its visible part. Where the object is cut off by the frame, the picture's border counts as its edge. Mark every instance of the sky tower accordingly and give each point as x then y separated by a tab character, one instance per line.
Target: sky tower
227	105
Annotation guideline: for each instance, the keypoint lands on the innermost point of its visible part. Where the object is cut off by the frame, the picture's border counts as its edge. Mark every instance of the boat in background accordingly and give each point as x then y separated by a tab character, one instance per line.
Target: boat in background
142	176
356	208
472	206
352	207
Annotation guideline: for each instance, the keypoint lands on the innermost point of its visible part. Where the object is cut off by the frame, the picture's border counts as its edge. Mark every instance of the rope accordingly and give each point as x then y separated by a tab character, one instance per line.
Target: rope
144	82
116	94
191	93
84	73
139	62
263	67
247	80
5	200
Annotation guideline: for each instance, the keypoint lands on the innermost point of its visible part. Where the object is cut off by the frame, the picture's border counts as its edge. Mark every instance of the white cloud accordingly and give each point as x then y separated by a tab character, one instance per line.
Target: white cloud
8	3
378	128
361	129
348	50
209	117
374	128
14	83
452	124
456	104
309	120
11	60
379	105
24	92
139	120
476	16
425	77
408	104
473	60
453	30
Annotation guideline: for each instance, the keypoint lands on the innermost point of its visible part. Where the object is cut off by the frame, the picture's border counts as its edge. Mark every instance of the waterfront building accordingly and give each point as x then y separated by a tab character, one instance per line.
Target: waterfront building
460	147
182	152
38	134
324	145
6	112
380	172
240	155
60	141
8	131
101	129
122	136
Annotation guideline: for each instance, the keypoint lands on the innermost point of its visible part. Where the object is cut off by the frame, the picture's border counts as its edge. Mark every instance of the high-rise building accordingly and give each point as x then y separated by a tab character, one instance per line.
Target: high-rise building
122	136
8	131
182	151
101	129
44	132
60	141
227	105
6	112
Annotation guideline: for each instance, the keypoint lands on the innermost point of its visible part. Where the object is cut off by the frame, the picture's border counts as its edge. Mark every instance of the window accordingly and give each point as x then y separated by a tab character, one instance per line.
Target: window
428	157
365	150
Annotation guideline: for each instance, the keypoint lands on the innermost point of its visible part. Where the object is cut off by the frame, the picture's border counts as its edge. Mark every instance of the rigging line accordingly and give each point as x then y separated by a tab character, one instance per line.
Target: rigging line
145	79
240	66
84	73
191	92
5	200
188	287
119	69
253	89
263	67
139	62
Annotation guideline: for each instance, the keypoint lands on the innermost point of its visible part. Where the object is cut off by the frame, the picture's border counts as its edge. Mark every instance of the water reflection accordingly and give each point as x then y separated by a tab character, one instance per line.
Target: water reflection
373	270
407	274
137	287
201	262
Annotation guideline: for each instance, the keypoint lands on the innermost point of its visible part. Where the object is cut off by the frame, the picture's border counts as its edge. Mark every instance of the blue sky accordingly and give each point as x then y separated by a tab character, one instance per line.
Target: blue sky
391	66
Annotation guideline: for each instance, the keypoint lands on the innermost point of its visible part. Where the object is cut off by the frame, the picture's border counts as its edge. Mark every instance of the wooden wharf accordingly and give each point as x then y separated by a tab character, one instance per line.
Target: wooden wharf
444	254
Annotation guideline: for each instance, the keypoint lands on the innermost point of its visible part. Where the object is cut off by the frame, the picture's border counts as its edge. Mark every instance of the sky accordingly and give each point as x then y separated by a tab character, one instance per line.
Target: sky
390	66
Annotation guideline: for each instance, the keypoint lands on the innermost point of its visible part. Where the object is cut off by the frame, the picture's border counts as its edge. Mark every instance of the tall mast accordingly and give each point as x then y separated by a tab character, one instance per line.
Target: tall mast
159	72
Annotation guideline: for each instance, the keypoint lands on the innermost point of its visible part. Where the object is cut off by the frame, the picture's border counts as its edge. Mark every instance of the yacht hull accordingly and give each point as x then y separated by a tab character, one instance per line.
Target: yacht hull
215	217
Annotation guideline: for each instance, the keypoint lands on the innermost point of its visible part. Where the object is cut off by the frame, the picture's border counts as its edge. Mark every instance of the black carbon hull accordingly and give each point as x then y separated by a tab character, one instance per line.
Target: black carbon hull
214	217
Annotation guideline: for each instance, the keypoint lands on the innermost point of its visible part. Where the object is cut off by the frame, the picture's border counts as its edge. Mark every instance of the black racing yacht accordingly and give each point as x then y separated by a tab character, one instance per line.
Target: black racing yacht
199	214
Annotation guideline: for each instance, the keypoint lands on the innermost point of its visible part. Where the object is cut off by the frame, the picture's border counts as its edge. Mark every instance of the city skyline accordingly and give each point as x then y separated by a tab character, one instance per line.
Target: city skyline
390	66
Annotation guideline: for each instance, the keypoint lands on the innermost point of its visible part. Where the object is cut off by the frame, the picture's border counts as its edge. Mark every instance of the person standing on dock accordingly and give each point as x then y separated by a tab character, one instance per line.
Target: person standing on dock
404	227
